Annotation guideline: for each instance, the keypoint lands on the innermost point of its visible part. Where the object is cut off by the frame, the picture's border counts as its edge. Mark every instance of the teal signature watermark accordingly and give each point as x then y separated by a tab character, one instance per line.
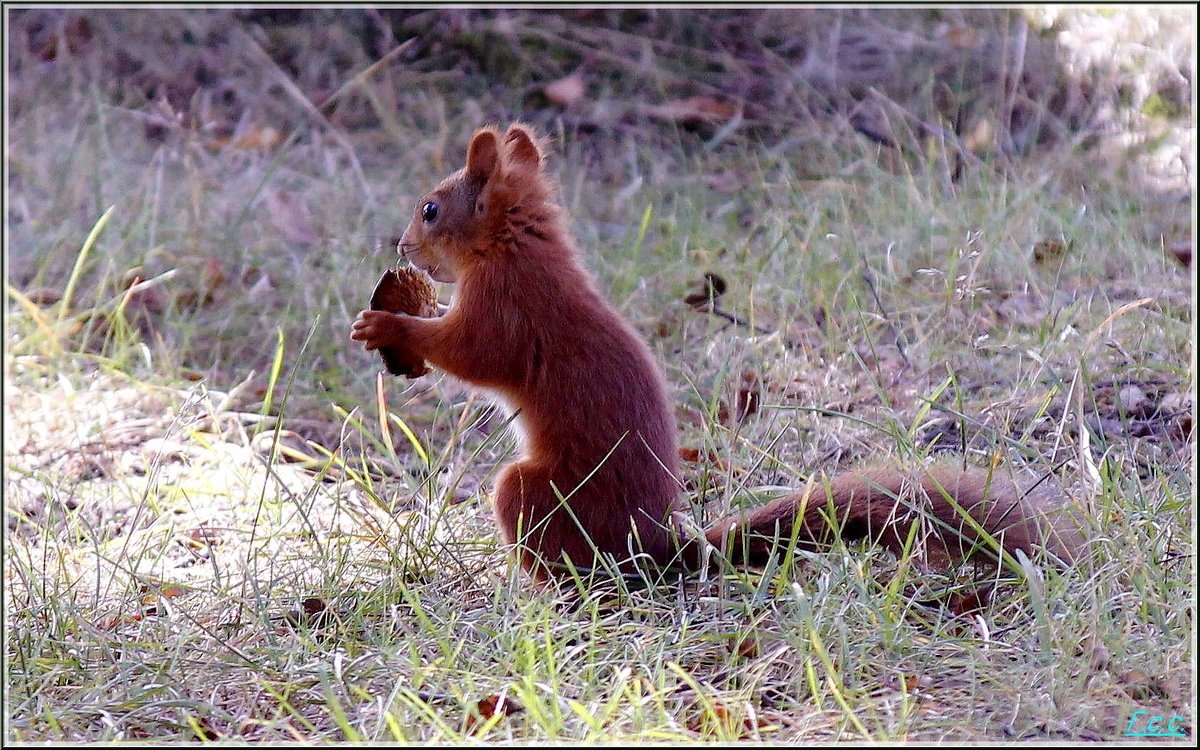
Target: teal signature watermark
1155	726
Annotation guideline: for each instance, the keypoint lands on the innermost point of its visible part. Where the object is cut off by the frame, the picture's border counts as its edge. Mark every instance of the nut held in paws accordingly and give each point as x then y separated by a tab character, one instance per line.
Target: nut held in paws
406	290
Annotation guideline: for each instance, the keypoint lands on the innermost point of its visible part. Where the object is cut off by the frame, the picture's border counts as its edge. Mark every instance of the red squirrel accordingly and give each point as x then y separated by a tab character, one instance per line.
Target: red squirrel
597	437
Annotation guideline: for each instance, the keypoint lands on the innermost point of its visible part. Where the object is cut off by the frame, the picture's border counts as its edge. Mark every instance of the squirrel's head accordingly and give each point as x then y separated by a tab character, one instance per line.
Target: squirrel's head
455	225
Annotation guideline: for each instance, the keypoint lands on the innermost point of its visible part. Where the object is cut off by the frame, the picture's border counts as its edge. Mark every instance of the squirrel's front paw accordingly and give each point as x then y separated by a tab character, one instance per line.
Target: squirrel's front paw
387	332
377	328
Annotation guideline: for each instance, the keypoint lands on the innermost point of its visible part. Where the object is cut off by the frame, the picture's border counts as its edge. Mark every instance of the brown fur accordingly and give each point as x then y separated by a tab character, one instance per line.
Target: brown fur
597	471
883	503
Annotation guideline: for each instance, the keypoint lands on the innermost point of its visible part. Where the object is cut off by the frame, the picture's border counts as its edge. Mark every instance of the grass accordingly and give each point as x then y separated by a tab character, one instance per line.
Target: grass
211	534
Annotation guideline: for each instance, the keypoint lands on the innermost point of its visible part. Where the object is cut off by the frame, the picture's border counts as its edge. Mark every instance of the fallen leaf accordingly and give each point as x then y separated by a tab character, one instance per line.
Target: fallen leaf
565	91
1170	686
199	284
1045	250
719	717
968	602
694	111
1137	684
695	456
691	455
499	704
76	33
981	137
43	296
261	288
1182	252
963	37
201	537
706	292
1180	428
1098	654
749	647
171	590
212	277
118	620
313	613
749	395
153	588
253	138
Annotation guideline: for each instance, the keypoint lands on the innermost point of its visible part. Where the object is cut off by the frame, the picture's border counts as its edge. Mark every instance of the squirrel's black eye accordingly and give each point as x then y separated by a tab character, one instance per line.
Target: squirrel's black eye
429	212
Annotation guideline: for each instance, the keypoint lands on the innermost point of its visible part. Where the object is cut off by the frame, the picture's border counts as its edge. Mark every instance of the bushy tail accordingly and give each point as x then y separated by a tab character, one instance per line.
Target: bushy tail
950	507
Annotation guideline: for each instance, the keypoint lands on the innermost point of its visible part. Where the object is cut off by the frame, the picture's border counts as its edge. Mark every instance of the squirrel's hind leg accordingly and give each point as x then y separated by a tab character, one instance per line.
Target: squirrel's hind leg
525	507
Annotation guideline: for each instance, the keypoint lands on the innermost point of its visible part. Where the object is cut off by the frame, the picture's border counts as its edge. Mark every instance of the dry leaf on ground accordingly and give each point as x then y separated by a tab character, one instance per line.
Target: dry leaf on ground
693	111
566	91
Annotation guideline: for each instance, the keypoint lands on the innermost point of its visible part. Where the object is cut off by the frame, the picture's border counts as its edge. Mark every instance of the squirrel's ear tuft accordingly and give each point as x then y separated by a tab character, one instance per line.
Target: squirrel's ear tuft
521	147
483	156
